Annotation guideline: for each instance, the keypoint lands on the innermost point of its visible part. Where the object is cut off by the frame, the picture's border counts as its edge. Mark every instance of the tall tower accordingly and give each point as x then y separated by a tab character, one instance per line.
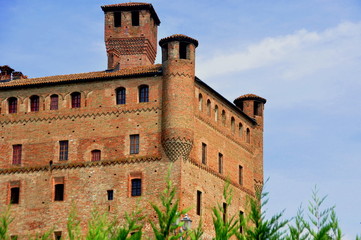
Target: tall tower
178	59
130	34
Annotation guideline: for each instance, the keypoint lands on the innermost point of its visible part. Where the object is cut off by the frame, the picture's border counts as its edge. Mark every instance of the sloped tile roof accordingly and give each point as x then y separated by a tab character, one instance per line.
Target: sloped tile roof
126	72
250	96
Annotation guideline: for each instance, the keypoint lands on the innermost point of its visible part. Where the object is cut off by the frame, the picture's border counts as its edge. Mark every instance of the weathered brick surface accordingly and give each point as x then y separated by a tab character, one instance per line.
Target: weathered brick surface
172	127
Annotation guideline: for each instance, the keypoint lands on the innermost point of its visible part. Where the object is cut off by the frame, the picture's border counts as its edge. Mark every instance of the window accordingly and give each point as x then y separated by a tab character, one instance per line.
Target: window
233	123
257	108
13	105
223	118
220	163
54	102
110	195
241	217
135	18
200	102
134	144
240	175
183	47
199	202
57	235
204	153
120	95
17	149
96	155
75	100
136	189
143	93
34	103
224	212
240	129
216	113
117	19
165	52
248	135
14	192
63	153
58	188
209	107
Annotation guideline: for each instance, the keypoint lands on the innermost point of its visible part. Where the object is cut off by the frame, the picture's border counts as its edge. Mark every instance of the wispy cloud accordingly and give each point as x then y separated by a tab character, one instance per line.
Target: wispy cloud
315	49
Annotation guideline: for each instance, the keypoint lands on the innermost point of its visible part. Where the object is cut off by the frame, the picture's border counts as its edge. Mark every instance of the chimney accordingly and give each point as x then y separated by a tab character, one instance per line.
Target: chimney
19	75
6	72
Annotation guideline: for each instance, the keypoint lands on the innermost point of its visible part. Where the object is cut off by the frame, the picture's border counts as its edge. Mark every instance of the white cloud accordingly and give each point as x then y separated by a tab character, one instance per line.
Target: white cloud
304	52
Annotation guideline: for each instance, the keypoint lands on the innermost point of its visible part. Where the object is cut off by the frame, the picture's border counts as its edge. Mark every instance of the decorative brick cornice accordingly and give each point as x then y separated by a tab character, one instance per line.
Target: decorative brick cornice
73	165
83	115
177	74
224	178
230	137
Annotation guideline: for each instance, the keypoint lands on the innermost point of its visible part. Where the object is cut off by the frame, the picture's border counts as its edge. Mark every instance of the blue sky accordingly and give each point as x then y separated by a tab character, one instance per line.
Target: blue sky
304	57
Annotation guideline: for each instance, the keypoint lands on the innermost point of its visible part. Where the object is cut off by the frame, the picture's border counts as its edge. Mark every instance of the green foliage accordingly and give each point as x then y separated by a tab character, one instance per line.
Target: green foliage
256	226
168	214
99	227
5	221
298	232
197	233
73	224
226	227
132	229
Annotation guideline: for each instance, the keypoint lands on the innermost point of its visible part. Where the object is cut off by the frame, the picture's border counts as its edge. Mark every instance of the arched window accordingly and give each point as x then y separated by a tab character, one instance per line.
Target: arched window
13	105
96	155
54	102
143	93
223	118
209	107
216	113
240	129
120	95
233	127
248	135
200	102
75	100
34	103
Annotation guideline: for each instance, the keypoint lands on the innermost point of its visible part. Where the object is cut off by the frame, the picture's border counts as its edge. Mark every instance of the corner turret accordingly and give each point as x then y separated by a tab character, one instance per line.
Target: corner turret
178	60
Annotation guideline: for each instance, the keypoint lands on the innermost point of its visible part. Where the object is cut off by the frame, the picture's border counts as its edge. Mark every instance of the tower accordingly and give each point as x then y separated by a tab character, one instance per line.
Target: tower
130	34
178	60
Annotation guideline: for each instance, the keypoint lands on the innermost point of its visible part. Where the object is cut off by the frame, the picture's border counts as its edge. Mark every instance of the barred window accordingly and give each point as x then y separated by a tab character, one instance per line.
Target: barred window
120	95
134	144
54	102
143	93
136	187
17	149
34	103
96	155
63	153
13	105
75	100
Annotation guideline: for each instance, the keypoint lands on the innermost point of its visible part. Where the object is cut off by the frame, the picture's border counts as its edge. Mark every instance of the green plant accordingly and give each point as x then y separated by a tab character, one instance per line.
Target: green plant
168	215
5	221
197	233
132	230
225	227
73	224
256	226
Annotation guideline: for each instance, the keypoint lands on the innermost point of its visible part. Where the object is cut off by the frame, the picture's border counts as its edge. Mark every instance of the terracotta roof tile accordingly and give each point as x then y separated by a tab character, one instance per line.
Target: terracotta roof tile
127	4
156	69
250	96
178	37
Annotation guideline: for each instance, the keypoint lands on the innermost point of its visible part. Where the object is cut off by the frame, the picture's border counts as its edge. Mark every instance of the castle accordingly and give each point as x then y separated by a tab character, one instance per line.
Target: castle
107	138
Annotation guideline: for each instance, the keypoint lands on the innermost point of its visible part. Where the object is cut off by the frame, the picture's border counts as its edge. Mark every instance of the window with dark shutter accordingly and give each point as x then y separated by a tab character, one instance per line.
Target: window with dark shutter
17	149
136	189
54	102
75	100
34	103
63	153
13	105
143	93
96	154
120	96
134	144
